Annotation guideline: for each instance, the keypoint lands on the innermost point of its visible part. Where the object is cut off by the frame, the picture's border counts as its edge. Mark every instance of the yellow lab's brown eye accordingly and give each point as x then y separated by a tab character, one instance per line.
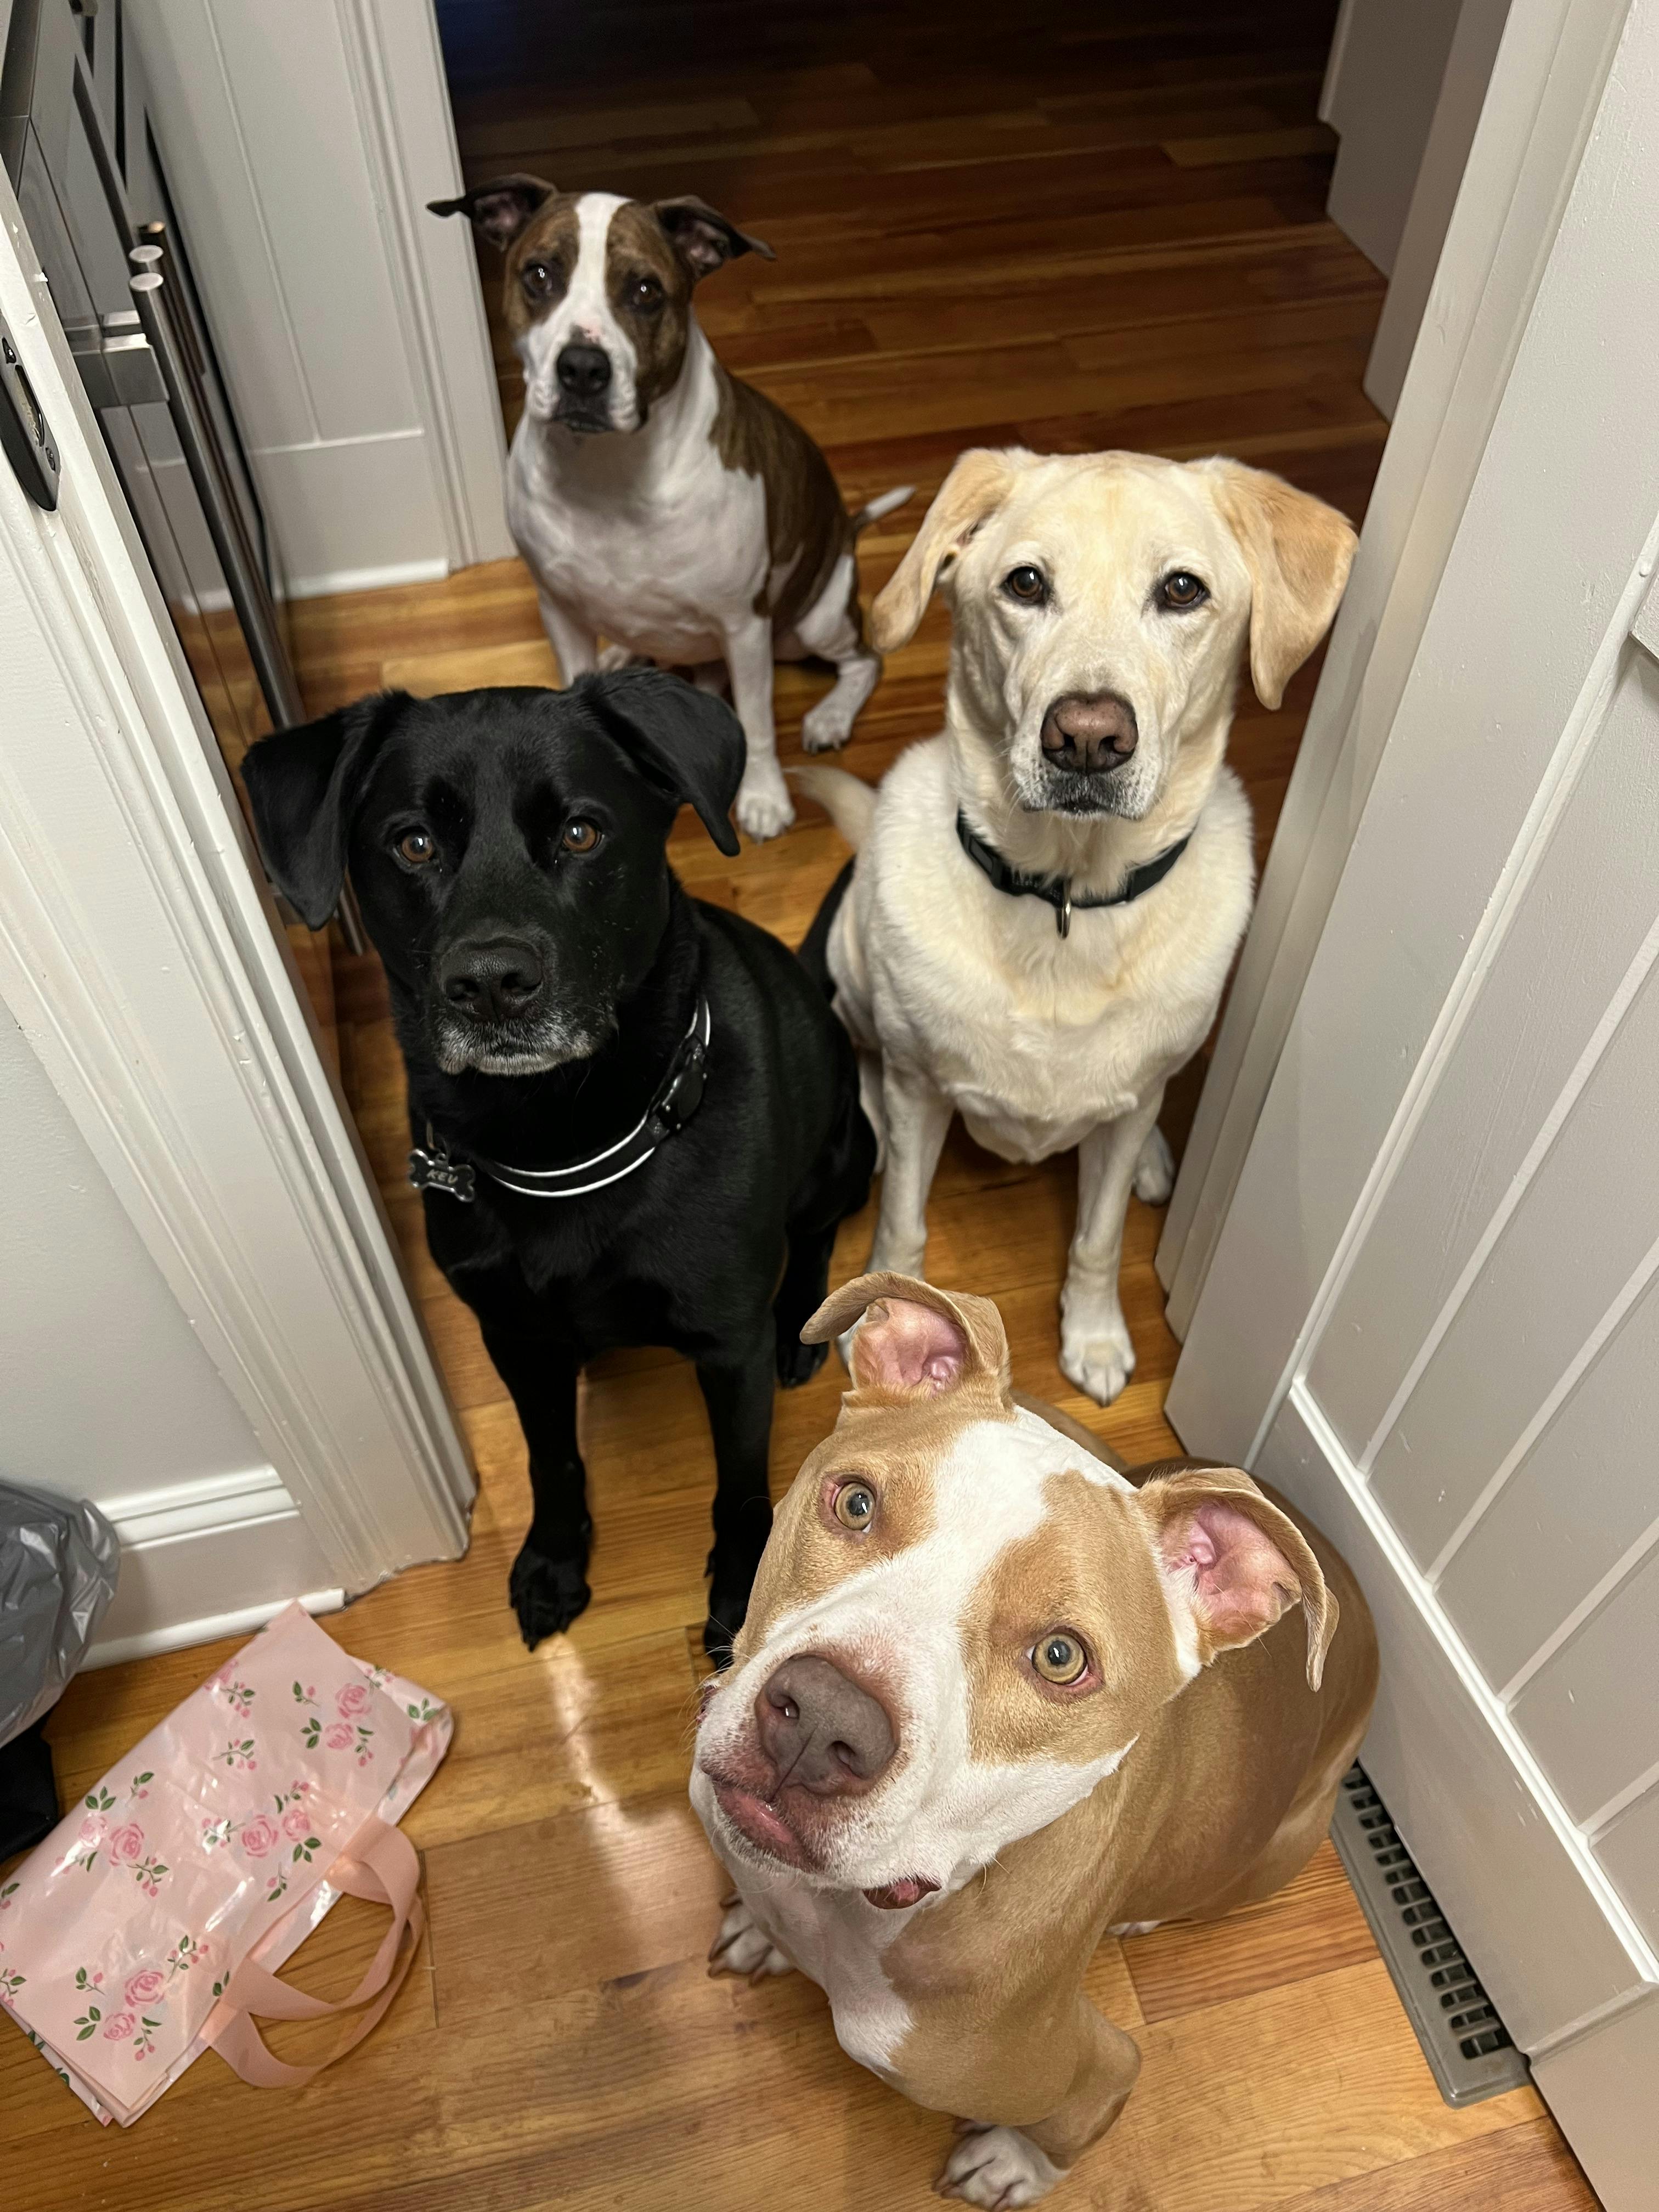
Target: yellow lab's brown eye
1028	584
855	1505
579	837
1060	1657
1182	589
417	847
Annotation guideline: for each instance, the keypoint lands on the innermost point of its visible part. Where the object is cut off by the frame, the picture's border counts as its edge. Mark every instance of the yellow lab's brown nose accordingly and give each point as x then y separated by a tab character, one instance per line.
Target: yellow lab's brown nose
821	1730
1090	732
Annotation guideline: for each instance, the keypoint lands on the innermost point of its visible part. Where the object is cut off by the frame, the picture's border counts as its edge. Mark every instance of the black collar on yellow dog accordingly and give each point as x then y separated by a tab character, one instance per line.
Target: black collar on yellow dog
1057	889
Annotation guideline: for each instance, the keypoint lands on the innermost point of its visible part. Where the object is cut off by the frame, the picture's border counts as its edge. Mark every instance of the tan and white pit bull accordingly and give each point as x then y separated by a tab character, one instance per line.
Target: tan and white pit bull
657	499
994	1699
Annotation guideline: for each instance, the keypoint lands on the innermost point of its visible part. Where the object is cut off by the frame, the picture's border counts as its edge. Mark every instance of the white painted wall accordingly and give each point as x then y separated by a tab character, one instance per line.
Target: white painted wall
1546	90
1439	179
103	1391
106	1393
302	141
238	1373
1381	82
1432	1316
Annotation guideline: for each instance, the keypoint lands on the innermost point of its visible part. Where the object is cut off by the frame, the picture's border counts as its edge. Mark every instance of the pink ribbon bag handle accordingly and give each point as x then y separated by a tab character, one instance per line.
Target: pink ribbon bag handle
379	1865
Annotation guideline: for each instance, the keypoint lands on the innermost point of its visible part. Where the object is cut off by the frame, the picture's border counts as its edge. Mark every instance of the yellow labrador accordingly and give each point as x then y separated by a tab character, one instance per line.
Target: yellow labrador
1048	896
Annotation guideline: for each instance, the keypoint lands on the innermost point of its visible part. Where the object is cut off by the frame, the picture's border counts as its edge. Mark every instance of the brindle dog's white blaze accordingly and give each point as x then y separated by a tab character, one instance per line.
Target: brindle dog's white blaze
583	316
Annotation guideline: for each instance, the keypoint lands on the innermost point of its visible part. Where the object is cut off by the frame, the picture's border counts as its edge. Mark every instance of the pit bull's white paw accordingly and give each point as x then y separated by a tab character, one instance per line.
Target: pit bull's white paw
999	2167
826	727
620	656
1154	1175
743	1946
763	806
1095	1349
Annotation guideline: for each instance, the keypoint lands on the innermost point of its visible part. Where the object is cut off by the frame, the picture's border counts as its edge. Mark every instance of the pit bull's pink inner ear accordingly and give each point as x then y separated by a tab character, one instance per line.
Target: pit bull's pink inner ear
901	1345
1235	1577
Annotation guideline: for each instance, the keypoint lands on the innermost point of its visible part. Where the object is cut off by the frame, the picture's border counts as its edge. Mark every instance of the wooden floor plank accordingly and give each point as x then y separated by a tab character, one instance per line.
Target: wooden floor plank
1107	229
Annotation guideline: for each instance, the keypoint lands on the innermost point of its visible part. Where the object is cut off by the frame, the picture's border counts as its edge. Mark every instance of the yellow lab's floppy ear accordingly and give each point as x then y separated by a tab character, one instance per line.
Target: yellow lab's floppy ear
1298	552
975	487
1233	1563
916	1342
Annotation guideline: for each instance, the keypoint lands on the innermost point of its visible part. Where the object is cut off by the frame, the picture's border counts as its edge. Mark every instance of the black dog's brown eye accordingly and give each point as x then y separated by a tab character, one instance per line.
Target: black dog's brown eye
855	1505
417	847
579	836
1061	1657
1182	589
644	292
540	279
1028	584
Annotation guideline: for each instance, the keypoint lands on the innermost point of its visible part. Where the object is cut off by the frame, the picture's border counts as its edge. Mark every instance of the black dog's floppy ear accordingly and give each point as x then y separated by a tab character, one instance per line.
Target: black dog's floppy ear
301	785
702	237
686	742
501	209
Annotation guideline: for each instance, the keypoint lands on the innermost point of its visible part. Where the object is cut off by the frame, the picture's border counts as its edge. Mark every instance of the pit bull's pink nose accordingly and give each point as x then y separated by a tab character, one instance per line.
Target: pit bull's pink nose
1089	732
821	1730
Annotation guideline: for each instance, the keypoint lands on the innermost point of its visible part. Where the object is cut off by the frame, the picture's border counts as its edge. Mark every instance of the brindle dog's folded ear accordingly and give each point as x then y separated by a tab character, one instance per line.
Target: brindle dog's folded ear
702	237
303	785
499	210
687	742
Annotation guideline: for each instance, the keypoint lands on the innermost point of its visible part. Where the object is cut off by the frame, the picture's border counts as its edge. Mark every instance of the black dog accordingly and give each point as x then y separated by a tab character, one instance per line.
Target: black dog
635	1119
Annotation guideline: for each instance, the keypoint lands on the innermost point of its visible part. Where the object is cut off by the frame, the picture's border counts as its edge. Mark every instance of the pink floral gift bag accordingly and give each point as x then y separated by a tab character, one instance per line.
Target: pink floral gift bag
152	1920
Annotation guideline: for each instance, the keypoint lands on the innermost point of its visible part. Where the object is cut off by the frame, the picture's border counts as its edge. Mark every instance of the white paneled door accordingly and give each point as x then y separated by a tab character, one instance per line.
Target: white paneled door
1432	1316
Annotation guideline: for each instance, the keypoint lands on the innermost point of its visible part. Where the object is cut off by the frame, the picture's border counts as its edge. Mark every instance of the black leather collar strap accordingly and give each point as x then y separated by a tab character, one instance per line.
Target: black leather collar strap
673	1102
1057	889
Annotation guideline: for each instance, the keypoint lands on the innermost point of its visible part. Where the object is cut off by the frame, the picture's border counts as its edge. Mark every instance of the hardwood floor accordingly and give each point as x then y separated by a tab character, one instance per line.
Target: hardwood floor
1100	226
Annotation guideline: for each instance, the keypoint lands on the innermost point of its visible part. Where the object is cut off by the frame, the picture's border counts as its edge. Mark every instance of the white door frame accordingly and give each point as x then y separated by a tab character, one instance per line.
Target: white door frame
1495	718
140	955
1546	86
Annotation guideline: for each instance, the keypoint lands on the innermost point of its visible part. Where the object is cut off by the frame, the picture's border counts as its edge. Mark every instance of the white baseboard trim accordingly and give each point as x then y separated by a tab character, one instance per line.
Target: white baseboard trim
367	580
213	1555
190	1509
211	1626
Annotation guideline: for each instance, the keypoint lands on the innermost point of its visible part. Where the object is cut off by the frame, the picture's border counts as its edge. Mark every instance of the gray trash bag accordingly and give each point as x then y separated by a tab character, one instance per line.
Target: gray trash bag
58	1563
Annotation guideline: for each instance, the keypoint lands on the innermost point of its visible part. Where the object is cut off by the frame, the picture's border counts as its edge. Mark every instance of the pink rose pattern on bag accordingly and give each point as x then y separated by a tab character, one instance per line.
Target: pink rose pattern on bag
145	1897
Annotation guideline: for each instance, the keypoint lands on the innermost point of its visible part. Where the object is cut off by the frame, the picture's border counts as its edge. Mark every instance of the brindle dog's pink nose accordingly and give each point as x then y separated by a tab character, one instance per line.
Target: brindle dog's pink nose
821	1730
1087	733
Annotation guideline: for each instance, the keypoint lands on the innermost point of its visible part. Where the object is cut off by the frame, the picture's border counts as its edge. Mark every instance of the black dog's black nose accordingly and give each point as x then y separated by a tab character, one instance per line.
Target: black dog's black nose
583	371
494	979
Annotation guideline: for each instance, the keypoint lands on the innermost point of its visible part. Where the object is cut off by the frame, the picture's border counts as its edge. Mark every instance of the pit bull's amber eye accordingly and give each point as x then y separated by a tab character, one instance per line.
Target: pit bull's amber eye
1027	584
855	1505
1182	589
579	836
417	847
1060	1657
540	279
643	292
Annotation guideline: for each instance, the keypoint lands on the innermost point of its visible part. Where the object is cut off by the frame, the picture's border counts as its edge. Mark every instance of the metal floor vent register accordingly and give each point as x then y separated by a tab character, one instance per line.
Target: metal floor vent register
1466	2045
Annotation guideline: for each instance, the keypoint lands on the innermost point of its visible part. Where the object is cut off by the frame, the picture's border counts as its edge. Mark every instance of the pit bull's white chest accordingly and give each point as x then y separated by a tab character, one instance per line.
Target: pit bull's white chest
833	1937
647	538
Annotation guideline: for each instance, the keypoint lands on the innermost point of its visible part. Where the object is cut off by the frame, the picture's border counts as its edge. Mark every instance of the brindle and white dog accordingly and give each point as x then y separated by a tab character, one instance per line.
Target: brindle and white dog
706	530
